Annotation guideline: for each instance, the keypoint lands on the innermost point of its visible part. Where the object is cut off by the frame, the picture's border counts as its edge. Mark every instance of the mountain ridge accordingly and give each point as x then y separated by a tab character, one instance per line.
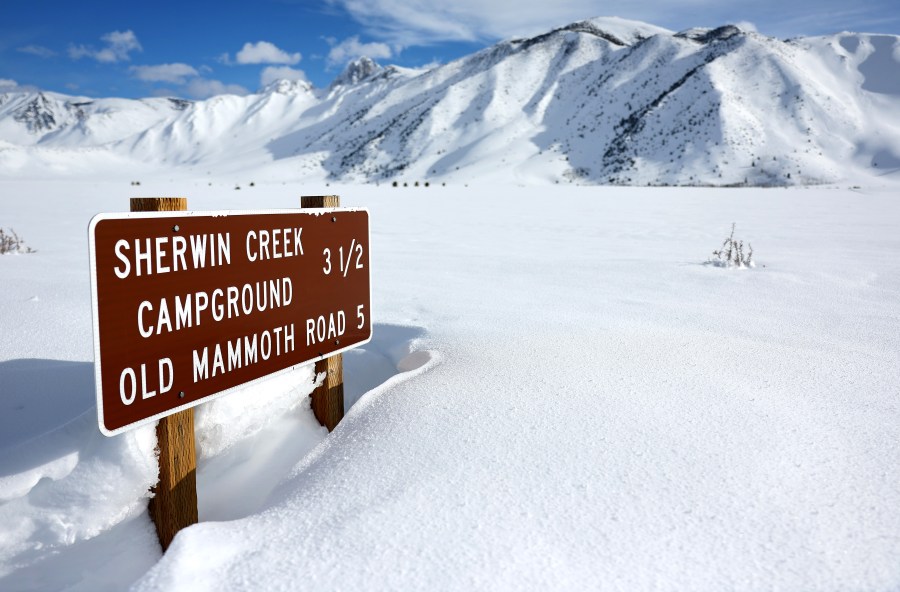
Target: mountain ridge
599	101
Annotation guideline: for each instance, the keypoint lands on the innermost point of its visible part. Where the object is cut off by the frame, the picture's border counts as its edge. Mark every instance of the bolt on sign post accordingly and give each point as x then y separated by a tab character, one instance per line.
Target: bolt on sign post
190	305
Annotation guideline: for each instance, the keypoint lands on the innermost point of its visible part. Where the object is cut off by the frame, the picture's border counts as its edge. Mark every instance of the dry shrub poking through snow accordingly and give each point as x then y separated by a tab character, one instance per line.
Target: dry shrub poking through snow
732	253
11	243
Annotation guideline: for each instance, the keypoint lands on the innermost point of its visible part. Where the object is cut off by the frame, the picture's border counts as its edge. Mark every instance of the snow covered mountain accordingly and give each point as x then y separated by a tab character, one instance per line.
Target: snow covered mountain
600	101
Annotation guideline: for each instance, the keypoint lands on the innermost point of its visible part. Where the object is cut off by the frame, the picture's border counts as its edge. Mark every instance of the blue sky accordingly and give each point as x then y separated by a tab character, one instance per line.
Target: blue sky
195	50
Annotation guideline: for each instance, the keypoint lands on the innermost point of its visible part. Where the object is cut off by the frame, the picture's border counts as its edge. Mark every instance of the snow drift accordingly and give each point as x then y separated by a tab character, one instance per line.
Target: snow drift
604	410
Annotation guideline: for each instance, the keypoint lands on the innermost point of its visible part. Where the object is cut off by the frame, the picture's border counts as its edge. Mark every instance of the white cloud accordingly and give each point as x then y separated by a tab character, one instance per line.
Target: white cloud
119	45
202	88
351	48
272	73
192	83
7	85
76	52
264	52
174	73
37	50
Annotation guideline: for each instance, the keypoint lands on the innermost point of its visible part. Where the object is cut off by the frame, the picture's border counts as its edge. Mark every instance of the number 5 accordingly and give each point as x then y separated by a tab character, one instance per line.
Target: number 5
360	316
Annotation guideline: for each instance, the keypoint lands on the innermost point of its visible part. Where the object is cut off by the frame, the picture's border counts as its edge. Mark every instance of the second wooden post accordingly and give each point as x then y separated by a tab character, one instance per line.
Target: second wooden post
327	399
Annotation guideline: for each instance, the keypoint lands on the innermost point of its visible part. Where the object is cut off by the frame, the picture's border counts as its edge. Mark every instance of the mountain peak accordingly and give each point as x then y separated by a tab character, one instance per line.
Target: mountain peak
356	71
617	31
38	114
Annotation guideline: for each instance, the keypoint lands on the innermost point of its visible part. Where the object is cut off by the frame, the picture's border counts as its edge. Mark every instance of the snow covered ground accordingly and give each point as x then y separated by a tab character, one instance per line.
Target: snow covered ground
559	395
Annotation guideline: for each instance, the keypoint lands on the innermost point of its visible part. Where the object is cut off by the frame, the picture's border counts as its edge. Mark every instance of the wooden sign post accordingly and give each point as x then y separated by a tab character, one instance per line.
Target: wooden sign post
189	306
328	398
174	505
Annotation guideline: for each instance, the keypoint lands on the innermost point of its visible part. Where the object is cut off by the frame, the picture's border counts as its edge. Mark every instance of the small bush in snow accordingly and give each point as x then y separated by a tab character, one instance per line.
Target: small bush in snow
732	253
11	243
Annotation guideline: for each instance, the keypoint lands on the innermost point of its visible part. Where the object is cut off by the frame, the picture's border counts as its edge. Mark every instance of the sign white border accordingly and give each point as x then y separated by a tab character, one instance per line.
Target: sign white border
98	381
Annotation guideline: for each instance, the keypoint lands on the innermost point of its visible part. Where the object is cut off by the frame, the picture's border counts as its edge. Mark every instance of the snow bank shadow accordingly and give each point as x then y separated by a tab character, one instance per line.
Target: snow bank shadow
393	350
38	397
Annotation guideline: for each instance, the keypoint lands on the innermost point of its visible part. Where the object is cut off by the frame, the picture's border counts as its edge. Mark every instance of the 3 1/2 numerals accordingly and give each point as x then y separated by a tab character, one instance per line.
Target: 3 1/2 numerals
345	262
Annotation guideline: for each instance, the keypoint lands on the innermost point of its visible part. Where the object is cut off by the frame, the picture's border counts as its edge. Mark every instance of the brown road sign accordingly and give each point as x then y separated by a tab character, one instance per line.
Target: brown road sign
190	305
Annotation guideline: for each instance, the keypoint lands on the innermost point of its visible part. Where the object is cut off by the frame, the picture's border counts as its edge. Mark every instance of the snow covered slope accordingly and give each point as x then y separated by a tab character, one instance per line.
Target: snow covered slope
600	101
597	409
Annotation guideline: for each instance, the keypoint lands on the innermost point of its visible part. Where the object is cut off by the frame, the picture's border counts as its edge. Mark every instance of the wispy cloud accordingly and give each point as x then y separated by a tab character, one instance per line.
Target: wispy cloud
423	22
263	52
836	18
37	50
352	48
406	23
7	85
118	48
272	73
189	80
746	26
203	88
173	73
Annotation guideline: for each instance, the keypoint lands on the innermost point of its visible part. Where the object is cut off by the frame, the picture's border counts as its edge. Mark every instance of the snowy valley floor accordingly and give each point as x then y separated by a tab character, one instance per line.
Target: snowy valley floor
559	395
